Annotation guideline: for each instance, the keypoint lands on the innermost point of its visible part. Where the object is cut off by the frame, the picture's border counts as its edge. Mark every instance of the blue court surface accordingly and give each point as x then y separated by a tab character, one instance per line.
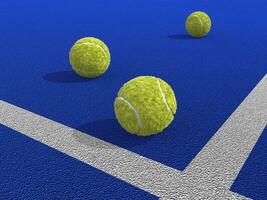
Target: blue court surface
211	77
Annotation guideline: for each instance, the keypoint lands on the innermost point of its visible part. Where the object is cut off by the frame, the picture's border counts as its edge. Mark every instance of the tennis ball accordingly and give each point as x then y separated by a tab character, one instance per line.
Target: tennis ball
89	57
198	24
145	105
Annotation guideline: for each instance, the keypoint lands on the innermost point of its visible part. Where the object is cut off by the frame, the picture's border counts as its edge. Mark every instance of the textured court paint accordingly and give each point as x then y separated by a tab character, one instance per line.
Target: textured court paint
210	175
252	179
144	173
220	161
30	170
210	76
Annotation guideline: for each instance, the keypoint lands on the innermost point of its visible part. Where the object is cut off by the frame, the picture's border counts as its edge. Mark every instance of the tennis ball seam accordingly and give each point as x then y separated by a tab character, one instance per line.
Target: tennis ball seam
135	111
201	22
164	98
102	50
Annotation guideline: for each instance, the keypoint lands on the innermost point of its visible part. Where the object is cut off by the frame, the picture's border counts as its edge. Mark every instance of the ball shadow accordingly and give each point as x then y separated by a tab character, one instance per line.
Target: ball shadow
181	37
64	77
110	131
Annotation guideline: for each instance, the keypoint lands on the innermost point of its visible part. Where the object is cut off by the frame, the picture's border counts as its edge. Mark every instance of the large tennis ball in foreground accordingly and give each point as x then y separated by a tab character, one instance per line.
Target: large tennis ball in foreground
89	57
198	24
145	105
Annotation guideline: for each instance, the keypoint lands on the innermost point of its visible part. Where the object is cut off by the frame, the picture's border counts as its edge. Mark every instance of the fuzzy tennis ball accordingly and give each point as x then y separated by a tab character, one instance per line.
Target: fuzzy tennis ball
89	57
198	24
145	105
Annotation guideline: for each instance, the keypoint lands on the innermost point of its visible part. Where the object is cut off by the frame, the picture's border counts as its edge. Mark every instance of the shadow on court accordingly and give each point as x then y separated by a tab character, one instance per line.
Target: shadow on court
64	77
180	37
109	130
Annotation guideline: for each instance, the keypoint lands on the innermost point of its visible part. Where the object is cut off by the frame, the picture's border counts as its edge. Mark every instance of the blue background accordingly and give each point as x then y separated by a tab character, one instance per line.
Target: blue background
210	76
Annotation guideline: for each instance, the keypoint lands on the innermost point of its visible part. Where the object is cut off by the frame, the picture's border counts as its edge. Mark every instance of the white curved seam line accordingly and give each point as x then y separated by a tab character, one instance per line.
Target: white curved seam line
202	24
135	111
164	98
105	55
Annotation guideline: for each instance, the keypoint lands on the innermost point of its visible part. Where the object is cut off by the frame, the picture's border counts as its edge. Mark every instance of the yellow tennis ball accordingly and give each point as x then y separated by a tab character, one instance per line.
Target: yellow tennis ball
145	105
89	57
198	24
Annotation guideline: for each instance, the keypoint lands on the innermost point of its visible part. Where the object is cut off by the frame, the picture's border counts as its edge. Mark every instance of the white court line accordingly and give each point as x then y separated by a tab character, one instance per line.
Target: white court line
139	171
209	176
224	155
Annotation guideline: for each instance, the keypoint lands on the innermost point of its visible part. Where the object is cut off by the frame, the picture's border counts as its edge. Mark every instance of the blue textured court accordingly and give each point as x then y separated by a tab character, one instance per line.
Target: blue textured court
210	77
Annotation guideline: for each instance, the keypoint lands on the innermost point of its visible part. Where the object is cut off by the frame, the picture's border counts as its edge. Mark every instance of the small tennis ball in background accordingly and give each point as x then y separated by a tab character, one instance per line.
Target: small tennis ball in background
89	57
198	24
145	105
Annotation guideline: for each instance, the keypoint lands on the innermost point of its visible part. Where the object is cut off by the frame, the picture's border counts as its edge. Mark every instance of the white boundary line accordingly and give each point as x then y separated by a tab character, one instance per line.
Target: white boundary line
209	176
118	162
